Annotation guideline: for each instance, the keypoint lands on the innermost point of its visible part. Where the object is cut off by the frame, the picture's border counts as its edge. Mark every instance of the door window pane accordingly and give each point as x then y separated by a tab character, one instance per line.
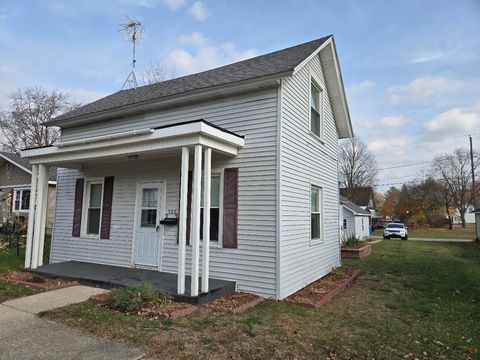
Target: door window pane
149	218
149	198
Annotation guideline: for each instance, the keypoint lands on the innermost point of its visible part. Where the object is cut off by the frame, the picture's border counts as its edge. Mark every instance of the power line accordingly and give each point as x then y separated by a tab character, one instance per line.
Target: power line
405	165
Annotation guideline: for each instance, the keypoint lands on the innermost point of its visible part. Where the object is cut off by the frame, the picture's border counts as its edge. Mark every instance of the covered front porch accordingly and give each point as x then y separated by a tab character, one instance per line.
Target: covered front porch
189	147
108	276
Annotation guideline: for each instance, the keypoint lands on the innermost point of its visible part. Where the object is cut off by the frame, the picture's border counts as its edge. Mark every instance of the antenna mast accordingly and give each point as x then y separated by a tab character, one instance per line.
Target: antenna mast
133	31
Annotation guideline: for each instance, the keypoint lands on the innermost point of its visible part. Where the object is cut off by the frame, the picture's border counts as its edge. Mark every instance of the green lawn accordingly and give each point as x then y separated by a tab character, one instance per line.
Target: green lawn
439	233
9	261
412	300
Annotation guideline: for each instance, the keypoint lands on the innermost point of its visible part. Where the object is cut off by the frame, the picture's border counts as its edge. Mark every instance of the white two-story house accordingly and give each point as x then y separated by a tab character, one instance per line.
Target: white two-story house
227	174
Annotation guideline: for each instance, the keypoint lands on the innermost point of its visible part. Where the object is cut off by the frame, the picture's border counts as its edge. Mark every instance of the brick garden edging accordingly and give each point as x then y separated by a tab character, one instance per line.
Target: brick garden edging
360	253
237	310
329	296
48	285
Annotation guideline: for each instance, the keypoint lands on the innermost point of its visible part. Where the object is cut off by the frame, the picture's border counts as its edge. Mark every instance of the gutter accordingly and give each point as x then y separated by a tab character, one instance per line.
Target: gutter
167	101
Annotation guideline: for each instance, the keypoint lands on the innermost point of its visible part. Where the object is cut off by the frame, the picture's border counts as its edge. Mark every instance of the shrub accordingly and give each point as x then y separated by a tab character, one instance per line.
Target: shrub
133	299
351	241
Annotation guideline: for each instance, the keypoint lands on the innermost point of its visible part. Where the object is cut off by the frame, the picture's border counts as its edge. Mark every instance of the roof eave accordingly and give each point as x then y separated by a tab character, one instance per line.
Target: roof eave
170	101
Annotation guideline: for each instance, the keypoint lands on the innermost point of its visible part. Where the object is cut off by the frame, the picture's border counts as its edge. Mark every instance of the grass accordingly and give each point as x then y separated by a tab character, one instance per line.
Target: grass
412	300
439	233
9	261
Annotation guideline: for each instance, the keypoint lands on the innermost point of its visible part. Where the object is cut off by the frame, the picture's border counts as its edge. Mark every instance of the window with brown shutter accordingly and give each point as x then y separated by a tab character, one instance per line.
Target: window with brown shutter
78	206
107	207
230	207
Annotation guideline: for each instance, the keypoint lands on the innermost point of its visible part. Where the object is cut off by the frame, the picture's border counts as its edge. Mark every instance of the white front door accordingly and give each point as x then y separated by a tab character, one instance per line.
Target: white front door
147	230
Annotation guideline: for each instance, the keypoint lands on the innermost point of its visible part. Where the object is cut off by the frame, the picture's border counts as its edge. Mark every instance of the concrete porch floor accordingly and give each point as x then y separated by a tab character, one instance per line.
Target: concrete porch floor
108	276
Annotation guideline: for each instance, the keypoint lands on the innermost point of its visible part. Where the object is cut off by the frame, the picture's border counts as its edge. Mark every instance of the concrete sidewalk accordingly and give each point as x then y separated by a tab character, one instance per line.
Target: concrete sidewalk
25	336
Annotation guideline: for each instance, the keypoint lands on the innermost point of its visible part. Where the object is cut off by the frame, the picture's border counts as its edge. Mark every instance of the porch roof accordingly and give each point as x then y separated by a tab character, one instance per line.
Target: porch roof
138	142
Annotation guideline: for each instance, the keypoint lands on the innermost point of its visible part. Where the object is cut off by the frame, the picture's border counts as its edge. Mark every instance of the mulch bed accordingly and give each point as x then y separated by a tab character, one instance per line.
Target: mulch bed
36	282
325	289
153	311
235	303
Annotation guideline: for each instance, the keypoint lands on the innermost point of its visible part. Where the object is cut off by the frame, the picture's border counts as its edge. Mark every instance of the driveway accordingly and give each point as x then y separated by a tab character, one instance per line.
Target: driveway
25	336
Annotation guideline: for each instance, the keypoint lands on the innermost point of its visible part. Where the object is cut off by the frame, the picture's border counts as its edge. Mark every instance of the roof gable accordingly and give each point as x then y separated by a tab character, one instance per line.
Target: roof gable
355	209
281	63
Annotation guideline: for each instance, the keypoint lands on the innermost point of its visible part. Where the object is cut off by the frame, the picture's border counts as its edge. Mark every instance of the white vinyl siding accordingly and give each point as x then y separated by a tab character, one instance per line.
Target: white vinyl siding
305	161
253	264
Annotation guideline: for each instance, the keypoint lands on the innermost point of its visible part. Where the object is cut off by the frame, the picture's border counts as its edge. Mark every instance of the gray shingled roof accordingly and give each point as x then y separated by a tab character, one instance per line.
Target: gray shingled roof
24	162
265	65
353	207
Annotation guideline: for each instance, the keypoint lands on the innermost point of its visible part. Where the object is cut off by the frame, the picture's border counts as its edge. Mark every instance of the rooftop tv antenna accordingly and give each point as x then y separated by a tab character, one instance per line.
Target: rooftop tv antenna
133	31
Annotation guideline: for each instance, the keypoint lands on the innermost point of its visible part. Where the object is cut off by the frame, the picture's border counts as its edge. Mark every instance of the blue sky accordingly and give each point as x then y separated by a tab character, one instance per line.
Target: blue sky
411	68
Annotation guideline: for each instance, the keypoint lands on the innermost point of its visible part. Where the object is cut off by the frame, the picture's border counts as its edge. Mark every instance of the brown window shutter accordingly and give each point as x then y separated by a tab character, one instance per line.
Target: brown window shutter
107	207
189	205
230	207
78	205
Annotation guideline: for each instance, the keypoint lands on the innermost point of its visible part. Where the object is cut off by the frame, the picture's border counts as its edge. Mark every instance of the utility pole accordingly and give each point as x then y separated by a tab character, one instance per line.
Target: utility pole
474	193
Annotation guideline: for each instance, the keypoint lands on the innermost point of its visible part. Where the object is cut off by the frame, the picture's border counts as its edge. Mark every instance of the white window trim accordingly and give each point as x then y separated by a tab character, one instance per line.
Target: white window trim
315	81
219	243
321	239
86	198
20	210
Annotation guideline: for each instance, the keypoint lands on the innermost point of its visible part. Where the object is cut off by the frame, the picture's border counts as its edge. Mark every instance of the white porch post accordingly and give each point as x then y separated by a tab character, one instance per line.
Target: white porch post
40	213
206	218
43	215
182	229
31	217
195	233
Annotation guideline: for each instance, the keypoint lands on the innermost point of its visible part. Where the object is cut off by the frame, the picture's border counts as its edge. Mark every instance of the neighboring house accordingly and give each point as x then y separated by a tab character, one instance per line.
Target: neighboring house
15	181
361	196
364	197
268	130
469	216
354	220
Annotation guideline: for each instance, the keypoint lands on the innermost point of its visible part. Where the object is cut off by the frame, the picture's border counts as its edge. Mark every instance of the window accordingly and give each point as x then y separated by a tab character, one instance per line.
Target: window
214	208
316	109
345	223
149	207
93	197
22	200
315	213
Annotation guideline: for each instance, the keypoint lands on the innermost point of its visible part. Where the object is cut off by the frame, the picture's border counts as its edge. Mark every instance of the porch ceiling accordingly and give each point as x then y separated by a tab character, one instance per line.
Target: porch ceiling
143	142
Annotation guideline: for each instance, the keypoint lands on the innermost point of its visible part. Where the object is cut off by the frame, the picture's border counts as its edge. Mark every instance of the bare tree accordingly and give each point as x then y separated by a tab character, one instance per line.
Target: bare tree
157	72
455	174
357	164
22	124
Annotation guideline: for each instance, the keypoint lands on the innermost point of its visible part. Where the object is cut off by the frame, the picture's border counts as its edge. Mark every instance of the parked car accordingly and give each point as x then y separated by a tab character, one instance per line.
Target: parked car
395	230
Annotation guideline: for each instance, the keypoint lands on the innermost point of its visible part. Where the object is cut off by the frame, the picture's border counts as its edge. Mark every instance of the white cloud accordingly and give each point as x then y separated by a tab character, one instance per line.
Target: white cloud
427	57
425	87
196	39
360	88
198	11
456	121
201	54
393	121
396	146
174	4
